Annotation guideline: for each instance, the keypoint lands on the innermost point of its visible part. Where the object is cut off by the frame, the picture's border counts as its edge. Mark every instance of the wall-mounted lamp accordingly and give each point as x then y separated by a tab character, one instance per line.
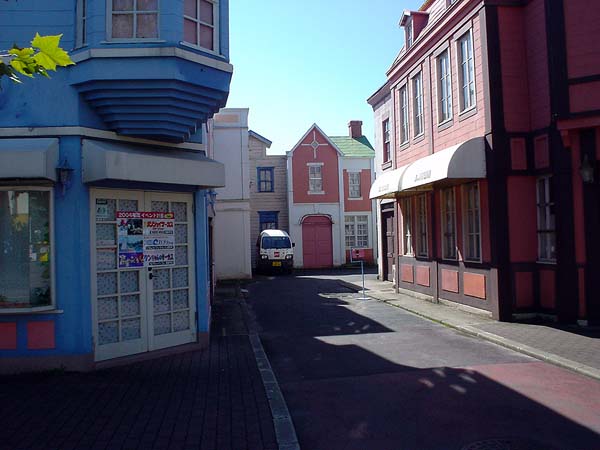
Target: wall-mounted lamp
586	170
64	173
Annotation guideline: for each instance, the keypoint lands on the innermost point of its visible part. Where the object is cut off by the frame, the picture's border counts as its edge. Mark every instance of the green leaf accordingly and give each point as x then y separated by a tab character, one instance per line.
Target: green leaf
50	54
21	67
22	52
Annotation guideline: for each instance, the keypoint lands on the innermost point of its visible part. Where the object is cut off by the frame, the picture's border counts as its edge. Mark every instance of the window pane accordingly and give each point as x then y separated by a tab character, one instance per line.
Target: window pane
189	32
206	12
122	5
122	26
189	8
147	25
206	37
147	5
24	249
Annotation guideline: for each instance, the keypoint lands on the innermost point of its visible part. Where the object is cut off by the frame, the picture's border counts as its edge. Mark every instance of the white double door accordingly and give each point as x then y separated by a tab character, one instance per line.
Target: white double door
141	309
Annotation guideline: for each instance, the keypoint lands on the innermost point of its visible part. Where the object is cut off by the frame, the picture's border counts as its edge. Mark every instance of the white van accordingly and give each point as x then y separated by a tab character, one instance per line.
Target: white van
274	250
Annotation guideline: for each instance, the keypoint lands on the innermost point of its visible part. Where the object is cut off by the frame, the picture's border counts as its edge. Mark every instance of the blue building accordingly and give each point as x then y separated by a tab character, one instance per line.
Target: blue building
105	181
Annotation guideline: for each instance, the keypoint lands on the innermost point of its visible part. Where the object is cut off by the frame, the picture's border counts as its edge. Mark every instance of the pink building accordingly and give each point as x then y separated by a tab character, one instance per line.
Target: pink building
330	212
494	114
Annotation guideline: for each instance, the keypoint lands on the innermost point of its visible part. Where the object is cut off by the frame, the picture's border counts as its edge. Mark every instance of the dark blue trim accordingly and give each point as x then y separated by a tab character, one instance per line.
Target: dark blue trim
260	180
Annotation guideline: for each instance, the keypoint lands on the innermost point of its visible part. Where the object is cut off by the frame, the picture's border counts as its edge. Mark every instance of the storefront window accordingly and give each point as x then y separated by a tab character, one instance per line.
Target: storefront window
472	223
25	248
546	220
407	226
448	224
422	249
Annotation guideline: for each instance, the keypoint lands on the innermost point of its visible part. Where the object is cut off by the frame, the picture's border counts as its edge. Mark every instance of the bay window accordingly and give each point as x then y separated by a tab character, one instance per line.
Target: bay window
133	19
200	23
25	248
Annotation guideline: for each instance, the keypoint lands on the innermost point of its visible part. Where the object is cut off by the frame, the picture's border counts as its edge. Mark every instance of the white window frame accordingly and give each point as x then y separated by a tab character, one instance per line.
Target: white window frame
422	235
544	205
407	227
215	28
404	115
52	305
354	186
387	149
109	17
417	88
313	179
82	10
448	228
472	221
354	221
466	71
444	87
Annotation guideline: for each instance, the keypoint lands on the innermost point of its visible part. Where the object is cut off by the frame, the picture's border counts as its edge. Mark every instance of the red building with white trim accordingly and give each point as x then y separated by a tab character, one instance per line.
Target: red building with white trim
492	181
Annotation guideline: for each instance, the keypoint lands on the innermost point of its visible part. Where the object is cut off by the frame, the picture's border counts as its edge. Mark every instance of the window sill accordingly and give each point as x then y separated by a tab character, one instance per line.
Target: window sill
355	198
26	311
404	145
386	165
546	262
445	124
467	113
418	138
198	48
315	192
134	41
265	192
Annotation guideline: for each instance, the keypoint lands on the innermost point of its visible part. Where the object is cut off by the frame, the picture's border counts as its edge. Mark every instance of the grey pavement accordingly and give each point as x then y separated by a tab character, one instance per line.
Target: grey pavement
572	347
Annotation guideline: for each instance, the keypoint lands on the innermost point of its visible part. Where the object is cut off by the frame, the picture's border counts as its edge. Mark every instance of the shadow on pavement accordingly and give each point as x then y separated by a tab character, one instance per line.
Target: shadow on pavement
344	396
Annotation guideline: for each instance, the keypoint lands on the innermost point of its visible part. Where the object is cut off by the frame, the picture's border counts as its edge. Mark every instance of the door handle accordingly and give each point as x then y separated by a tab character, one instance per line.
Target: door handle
150	276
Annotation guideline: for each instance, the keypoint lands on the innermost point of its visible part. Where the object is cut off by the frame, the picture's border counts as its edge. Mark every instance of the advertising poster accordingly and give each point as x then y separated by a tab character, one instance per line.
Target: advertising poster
159	239
146	239
130	235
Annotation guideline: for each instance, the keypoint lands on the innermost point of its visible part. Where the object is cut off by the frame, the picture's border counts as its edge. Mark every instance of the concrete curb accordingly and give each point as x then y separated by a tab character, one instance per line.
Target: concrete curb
285	432
491	337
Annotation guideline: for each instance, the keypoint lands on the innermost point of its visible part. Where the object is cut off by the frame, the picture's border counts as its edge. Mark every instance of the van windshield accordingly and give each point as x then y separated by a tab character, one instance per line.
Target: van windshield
276	242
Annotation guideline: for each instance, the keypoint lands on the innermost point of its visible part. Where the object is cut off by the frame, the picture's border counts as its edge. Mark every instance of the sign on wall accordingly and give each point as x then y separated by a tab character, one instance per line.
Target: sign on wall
146	239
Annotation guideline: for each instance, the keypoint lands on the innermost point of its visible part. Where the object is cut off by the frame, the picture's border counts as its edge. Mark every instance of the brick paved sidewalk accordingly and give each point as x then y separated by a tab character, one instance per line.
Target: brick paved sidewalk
574	348
211	399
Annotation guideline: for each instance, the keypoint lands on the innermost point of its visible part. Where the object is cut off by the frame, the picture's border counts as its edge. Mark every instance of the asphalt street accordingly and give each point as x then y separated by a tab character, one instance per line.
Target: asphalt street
361	374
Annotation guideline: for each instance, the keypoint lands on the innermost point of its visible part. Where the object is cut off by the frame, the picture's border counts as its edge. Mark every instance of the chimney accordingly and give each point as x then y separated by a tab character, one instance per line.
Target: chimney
355	128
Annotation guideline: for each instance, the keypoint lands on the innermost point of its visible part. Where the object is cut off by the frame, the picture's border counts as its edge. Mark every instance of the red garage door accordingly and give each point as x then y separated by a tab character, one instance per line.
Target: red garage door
317	250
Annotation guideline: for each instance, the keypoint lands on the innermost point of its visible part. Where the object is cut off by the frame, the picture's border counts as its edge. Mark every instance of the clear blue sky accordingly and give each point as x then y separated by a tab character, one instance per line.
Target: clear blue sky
313	61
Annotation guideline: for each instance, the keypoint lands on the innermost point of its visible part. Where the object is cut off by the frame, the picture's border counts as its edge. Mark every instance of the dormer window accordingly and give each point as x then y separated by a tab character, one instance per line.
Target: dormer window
409	33
200	24
133	19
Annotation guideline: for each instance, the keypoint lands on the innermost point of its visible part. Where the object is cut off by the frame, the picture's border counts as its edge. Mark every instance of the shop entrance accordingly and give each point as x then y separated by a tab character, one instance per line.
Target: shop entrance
141	305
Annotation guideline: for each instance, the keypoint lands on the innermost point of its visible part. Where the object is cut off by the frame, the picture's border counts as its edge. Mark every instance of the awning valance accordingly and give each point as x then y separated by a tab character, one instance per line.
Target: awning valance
387	184
29	158
463	161
112	161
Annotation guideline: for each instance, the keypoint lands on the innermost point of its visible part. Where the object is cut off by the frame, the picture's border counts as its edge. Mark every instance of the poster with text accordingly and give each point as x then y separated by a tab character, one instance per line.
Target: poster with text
159	239
130	236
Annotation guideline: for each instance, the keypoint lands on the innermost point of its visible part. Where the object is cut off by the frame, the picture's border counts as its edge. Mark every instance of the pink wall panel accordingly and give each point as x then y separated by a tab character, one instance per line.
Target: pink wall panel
8	336
582	27
584	97
364	204
513	54
40	335
541	152
518	154
406	273
474	285
325	154
449	280
522	221
524	289
486	252
548	289
423	276
537	64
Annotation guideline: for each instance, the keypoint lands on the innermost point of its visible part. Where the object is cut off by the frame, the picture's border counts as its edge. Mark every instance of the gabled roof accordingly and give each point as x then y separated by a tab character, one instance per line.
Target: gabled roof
351	147
315	127
255	135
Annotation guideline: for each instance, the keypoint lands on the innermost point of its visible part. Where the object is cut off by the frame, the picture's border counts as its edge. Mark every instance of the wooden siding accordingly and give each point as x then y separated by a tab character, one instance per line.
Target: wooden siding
266	201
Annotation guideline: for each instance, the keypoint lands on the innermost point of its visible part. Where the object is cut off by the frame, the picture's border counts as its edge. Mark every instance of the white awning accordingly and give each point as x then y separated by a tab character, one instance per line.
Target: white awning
110	161
462	161
29	158
387	184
